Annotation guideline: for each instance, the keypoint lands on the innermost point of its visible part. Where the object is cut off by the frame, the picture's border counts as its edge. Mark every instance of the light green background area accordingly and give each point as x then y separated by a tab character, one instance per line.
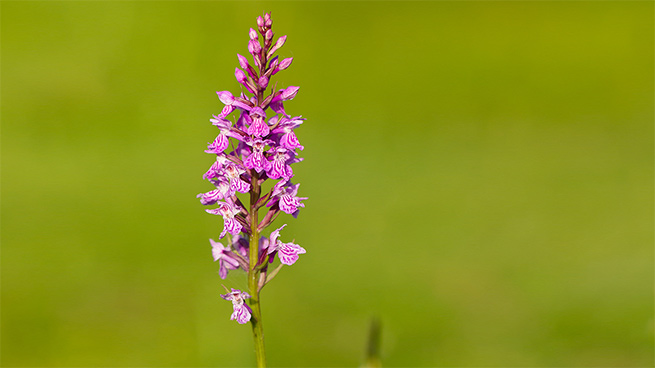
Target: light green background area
479	174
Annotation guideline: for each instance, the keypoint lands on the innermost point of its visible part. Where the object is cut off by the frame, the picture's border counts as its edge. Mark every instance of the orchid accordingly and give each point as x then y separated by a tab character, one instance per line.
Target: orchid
255	144
285	197
241	311
280	166
225	258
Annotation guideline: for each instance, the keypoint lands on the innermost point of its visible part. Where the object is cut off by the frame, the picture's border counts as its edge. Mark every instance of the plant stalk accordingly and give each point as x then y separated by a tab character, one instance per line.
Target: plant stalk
253	273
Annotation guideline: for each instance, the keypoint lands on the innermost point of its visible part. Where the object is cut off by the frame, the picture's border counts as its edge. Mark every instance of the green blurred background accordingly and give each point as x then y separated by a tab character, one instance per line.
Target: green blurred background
480	177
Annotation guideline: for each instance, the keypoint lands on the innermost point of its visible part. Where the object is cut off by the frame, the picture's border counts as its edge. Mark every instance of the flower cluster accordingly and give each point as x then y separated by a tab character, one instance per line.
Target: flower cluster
258	144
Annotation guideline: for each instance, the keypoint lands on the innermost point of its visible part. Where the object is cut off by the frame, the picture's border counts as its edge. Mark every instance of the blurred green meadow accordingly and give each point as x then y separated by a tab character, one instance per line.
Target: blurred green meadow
479	174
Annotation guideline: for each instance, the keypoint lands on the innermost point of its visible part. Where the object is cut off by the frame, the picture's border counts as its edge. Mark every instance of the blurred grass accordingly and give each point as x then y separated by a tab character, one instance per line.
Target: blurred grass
480	176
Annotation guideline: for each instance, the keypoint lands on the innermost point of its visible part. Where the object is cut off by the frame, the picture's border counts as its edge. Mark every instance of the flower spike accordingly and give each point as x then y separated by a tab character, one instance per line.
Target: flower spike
255	145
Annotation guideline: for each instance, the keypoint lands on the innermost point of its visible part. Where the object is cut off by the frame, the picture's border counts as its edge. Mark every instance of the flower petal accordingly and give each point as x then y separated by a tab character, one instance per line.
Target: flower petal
241	313
288	253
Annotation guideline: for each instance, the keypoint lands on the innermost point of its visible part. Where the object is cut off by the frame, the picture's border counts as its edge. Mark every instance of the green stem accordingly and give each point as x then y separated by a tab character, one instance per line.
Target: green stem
258	332
253	273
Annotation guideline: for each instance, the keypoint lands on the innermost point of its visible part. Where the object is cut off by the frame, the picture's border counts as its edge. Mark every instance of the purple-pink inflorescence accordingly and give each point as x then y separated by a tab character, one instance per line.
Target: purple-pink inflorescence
257	143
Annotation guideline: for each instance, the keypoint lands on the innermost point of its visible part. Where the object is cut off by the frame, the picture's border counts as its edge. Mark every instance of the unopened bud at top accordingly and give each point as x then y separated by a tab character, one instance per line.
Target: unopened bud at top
243	61
241	76
285	63
260	22
254	47
225	97
280	41
286	94
252	34
263	81
268	22
289	93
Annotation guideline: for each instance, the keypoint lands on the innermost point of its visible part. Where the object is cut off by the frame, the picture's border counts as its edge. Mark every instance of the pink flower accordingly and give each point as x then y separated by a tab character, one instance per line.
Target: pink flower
287	252
286	195
211	197
241	311
224	257
228	210
233	174
288	139
256	160
258	126
283	95
280	165
221	142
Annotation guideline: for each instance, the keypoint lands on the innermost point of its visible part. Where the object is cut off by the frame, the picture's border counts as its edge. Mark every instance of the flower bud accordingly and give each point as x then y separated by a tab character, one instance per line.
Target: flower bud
252	34
240	75
280	42
269	35
254	47
225	97
260	22
243	61
289	93
285	63
263	82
